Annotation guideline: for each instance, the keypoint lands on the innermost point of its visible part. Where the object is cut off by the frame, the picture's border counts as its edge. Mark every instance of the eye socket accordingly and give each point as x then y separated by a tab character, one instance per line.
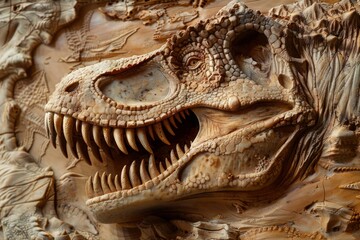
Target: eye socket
193	62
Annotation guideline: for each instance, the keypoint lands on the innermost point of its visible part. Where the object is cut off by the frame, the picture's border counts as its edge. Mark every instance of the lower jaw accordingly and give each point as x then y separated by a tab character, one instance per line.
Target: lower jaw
123	209
128	211
127	207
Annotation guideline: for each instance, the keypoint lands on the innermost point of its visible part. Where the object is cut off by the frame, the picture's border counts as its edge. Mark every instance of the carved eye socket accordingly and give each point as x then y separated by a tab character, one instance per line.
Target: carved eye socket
252	53
193	62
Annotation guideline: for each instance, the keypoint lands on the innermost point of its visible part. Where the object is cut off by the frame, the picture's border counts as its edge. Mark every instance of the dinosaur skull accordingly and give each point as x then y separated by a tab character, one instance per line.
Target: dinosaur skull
217	108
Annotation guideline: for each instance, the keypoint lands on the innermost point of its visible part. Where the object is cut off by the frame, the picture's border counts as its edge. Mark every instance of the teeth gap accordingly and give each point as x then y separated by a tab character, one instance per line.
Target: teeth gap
119	144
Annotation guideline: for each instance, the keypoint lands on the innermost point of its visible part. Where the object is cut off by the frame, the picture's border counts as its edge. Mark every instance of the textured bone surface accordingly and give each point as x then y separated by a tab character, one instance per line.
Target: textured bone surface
186	119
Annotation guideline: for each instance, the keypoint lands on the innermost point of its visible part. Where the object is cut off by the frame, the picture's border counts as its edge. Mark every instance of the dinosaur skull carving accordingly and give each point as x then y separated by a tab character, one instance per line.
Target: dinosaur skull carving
217	108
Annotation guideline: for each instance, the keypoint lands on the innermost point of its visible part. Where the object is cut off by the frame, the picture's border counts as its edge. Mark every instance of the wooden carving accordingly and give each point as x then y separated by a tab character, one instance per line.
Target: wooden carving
182	120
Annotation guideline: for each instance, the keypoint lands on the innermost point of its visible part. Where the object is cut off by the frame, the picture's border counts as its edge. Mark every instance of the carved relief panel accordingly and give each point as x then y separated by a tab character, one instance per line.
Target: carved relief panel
179	119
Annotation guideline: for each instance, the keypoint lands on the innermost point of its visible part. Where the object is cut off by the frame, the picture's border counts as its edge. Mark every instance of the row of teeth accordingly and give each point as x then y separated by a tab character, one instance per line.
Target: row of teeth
62	128
143	177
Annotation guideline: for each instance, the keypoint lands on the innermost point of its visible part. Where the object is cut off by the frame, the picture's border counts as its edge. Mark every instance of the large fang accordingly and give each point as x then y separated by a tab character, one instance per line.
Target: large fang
78	125
177	116
52	132
151	132
117	183
97	185
186	148
168	127
104	183
58	124
119	139
89	188
134	177
81	149
107	136
143	172
152	167
125	182
173	157
172	121
99	140
46	122
160	133
130	136
85	131
161	167
180	153
143	139
59	130
111	183
68	127
167	163
97	136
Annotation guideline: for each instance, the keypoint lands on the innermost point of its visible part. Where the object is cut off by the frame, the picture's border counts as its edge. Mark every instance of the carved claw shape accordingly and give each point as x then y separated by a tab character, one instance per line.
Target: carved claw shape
37	232
42	236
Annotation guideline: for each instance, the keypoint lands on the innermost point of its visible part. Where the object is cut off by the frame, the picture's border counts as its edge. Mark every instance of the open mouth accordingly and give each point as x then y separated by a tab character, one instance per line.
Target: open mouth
142	155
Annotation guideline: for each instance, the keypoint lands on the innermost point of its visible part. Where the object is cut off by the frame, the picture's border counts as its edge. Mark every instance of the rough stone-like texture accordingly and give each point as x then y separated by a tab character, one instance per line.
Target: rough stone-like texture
179	119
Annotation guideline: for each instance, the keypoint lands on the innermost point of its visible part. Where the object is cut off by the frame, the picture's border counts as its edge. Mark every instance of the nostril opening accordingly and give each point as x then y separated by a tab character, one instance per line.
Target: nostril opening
285	81
72	87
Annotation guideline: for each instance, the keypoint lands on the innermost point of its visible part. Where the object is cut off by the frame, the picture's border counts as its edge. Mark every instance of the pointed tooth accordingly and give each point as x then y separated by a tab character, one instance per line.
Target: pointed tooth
104	183
89	188
168	127
107	136
117	183
97	134
46	122
62	144
96	153
187	112
134	177
99	140
82	151
144	175
160	133
51	126
172	121
111	183
119	139
141	133
78	125
161	167
180	153
178	118
154	172
97	185
125	182
74	151
173	157
68	129
58	119
130	136
167	163
182	114
151	132
186	148
86	133
58	124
